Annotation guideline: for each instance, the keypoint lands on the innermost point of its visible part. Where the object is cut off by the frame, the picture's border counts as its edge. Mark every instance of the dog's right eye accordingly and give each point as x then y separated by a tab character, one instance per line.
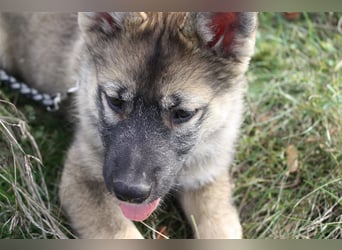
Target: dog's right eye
115	103
182	116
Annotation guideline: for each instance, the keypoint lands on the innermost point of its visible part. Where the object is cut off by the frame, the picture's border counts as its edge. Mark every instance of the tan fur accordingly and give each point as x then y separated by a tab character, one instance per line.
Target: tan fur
216	218
37	48
93	212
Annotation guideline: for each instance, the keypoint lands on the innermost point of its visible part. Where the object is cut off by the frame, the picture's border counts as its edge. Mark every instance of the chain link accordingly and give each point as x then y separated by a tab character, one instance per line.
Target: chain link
50	102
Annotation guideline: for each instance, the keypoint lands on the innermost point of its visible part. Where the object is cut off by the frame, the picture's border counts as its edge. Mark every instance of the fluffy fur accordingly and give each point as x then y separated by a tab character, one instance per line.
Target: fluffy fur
159	106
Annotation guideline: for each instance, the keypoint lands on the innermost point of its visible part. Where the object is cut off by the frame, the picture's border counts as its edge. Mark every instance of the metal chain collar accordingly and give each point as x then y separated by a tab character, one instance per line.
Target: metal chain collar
51	102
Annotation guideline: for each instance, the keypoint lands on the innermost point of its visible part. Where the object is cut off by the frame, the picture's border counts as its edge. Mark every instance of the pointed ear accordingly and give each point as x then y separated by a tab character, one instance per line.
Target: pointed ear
105	23
100	24
229	34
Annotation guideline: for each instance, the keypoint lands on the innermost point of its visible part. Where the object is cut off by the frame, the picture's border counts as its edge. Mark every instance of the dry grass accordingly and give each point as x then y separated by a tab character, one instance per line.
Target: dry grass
26	210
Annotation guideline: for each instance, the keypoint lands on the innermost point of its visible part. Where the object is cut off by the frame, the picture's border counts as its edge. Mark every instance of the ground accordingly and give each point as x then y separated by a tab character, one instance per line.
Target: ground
288	168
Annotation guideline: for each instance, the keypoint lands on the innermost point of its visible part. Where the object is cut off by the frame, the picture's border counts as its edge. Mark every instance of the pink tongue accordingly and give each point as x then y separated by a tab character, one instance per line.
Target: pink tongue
138	212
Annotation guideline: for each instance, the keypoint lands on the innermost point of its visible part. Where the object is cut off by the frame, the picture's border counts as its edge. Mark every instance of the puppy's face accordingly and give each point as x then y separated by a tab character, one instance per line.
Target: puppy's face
156	85
154	95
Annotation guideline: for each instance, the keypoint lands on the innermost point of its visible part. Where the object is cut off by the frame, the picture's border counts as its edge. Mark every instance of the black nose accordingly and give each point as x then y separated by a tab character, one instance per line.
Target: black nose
135	193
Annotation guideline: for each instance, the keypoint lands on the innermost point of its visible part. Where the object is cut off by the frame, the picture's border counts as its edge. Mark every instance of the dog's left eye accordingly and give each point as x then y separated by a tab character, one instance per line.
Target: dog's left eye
181	116
115	103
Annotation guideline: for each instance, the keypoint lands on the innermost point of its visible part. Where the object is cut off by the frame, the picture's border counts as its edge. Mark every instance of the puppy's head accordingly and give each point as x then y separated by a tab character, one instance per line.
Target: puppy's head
158	80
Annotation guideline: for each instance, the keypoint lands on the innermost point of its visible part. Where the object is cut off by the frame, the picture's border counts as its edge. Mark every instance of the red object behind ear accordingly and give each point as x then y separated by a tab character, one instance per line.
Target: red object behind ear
224	26
108	18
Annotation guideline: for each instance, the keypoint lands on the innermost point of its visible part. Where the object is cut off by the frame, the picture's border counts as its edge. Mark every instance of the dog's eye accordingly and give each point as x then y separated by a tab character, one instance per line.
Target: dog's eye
181	116
115	103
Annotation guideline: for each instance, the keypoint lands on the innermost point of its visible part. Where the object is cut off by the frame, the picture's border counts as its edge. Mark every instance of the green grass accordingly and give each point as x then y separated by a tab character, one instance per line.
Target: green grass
295	98
294	107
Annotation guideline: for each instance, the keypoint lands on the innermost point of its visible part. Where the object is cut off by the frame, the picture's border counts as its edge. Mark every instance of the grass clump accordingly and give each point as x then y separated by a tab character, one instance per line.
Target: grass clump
26	210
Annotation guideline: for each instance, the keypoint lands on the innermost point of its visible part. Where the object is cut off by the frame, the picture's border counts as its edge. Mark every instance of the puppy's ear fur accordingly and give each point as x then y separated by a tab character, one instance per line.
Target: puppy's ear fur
228	34
106	23
102	25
